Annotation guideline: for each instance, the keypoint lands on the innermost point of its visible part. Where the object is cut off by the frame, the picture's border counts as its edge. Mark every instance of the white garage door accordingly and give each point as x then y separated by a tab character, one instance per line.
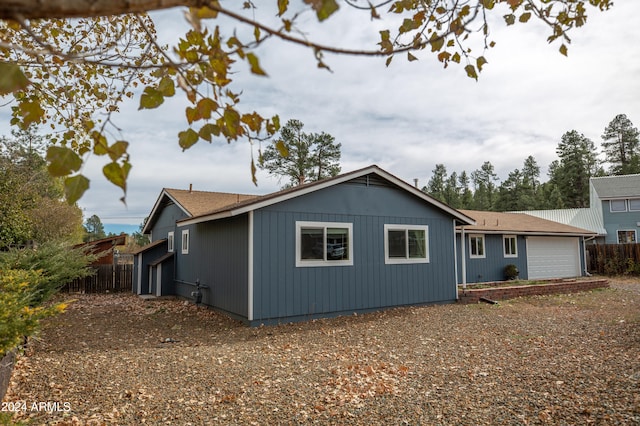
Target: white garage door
553	257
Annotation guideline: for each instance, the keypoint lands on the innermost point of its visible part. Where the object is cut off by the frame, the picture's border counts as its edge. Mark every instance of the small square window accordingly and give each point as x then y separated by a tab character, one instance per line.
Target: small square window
634	204
185	241
476	246
510	246
627	236
618	205
406	244
170	241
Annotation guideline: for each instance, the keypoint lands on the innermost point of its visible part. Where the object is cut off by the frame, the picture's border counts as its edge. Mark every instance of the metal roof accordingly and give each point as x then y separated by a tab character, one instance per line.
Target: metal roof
624	186
580	218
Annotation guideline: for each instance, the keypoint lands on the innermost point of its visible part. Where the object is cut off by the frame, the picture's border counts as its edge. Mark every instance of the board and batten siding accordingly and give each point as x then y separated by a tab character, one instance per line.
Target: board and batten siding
491	267
283	291
218	258
166	221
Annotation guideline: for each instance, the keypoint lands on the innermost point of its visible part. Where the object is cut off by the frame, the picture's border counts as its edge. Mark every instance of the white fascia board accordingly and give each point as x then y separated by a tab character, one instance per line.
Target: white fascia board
156	206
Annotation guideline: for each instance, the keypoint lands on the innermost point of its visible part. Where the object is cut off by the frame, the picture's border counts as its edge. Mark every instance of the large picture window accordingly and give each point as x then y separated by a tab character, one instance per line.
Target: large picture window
406	243
324	244
476	246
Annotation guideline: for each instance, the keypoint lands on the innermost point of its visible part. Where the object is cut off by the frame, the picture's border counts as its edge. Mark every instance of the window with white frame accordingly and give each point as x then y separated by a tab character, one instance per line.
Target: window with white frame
185	241
170	241
476	246
406	243
627	236
324	244
510	243
634	204
618	205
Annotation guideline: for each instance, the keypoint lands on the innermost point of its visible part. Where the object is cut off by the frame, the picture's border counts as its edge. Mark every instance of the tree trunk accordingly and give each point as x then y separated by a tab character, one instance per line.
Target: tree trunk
36	9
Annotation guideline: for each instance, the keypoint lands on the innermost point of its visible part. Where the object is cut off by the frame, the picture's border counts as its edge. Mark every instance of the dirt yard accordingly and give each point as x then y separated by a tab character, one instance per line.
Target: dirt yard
115	359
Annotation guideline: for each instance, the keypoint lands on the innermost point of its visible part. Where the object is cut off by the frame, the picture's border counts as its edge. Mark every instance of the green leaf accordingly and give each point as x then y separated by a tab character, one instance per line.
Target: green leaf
488	4
118	149
100	145
187	139
410	57
471	71
563	50
282	148
11	78
150	98
283	5
255	65
437	42
31	112
167	87
525	17
208	130
75	187
510	19
480	62
117	174
323	8
62	161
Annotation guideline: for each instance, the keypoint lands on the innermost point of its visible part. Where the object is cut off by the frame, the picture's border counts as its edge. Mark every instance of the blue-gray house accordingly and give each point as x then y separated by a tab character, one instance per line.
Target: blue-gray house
361	241
539	248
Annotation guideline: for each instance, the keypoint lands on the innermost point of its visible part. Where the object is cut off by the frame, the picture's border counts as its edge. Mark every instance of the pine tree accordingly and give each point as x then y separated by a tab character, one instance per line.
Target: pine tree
621	146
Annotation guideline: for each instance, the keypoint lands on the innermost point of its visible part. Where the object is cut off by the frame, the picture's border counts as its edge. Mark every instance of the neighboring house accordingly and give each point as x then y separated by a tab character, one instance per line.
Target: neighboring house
539	248
613	212
358	242
104	248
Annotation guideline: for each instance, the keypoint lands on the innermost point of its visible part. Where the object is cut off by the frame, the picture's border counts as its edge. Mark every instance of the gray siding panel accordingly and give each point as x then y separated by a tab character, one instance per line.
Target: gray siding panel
283	290
618	221
218	259
491	267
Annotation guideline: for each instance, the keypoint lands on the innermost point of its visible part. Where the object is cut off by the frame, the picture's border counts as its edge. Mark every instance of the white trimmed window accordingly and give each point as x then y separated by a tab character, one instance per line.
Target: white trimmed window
185	241
170	241
406	244
618	205
510	244
634	204
627	236
476	246
324	244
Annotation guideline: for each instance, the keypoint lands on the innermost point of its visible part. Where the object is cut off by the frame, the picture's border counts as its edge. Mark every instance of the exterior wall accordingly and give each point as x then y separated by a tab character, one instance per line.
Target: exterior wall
491	267
166	222
282	291
618	221
141	262
218	258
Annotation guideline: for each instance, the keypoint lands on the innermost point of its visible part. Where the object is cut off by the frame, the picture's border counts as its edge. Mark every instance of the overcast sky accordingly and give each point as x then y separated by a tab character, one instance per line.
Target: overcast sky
405	118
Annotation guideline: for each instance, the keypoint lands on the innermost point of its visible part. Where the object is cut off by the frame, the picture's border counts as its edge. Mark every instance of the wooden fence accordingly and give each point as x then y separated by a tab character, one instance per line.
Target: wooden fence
107	279
614	259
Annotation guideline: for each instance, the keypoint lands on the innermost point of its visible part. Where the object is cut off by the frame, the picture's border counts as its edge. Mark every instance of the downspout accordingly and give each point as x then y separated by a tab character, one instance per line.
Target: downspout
463	254
584	253
455	252
250	270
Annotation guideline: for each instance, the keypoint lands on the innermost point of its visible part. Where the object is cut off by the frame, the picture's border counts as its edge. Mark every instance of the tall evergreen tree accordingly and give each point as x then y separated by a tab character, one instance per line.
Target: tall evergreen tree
301	157
466	196
484	182
621	146
452	191
436	185
578	163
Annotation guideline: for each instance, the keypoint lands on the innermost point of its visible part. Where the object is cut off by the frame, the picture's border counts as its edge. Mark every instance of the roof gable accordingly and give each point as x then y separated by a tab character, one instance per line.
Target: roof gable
519	223
624	186
366	173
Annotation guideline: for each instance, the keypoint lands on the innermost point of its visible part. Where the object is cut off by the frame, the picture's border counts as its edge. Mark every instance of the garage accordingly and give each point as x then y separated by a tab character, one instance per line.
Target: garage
553	257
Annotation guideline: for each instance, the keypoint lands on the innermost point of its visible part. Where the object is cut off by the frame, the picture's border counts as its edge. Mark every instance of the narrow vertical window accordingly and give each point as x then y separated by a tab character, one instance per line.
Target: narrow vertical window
185	241
170	241
510	246
476	246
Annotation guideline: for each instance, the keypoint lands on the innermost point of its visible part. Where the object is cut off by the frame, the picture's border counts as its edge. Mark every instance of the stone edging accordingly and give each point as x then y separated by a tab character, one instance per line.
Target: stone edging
504	293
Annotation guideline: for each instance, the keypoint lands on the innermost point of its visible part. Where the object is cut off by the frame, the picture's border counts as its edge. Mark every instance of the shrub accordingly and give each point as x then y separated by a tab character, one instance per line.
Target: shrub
511	272
18	316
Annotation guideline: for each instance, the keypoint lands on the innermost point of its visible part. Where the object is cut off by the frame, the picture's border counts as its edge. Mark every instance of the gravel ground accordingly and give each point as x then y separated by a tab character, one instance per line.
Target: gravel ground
115	359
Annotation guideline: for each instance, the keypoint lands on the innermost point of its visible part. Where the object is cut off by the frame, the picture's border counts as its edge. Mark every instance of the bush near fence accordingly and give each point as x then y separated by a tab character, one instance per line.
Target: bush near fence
107	279
614	259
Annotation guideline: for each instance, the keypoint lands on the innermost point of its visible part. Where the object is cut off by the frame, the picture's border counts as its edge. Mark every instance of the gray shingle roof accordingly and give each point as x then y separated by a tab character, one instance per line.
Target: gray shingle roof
519	223
617	186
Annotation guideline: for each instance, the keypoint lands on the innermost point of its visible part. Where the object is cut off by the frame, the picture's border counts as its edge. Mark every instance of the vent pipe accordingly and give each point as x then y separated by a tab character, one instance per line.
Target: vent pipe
190	187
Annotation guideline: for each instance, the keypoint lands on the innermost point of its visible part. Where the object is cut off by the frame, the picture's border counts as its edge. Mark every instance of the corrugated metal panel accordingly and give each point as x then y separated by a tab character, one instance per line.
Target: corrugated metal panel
589	219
